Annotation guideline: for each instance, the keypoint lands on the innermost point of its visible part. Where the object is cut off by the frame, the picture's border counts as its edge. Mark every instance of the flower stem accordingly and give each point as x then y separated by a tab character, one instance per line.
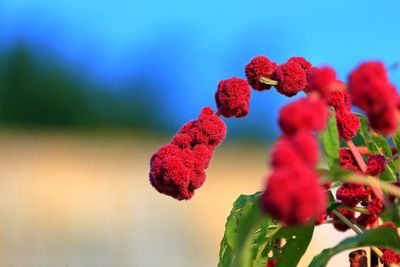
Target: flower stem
268	81
356	230
360	161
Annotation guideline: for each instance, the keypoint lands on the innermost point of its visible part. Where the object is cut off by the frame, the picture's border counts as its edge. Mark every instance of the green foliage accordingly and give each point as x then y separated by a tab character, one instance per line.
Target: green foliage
330	142
377	144
385	237
250	237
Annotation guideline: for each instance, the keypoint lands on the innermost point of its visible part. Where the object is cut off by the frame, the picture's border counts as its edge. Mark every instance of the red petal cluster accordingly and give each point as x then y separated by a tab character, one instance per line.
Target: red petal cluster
233	97
376	165
339	97
347	160
320	80
271	263
303	114
258	67
372	91
351	194
347	124
294	195
291	78
390	257
338	224
177	169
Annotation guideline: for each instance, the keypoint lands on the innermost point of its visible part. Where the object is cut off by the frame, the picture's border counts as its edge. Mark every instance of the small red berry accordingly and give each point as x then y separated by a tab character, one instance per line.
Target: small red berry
351	194
258	67
347	160
233	97
339	99
291	78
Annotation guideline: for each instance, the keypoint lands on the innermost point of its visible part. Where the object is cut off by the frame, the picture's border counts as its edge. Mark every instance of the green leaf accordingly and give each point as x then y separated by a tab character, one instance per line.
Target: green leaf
330	142
377	144
384	237
297	240
250	236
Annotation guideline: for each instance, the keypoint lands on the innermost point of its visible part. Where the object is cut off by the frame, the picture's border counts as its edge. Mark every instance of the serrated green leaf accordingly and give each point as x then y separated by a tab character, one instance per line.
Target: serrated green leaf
330	142
384	237
377	144
250	236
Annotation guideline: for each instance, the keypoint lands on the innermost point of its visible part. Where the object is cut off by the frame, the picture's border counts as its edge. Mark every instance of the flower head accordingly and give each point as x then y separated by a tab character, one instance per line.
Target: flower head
258	67
233	97
347	124
320	80
291	78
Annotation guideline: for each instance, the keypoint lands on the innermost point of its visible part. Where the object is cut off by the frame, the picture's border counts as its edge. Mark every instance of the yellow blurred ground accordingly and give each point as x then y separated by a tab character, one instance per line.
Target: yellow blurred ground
83	201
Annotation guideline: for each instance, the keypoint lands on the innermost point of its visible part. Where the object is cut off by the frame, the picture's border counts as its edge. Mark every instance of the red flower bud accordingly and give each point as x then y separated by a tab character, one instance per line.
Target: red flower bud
339	98
385	121
291	78
390	257
258	67
320	80
347	124
376	165
233	97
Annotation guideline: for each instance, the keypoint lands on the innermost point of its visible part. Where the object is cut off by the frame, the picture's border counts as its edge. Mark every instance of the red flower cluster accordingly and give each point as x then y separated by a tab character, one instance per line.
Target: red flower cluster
258	67
320	80
294	158
233	97
271	263
372	91
390	257
177	169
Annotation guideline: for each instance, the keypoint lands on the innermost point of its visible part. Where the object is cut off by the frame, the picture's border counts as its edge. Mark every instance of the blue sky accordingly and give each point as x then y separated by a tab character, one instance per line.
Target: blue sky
183	48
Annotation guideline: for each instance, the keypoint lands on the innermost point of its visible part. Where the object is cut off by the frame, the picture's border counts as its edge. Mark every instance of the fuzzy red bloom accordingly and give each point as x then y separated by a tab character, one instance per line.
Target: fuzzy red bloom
366	220
294	195
370	88
390	257
301	147
258	67
303	114
233	97
376	165
351	194
385	121
170	171
291	78
375	206
339	99
320	80
208	129
302	62
347	160
271	263
338	224
347	124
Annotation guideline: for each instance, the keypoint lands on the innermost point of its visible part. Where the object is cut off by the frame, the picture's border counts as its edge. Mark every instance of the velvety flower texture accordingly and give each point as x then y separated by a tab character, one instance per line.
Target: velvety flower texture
303	114
178	169
258	67
320	80
233	97
294	195
347	124
372	91
291	78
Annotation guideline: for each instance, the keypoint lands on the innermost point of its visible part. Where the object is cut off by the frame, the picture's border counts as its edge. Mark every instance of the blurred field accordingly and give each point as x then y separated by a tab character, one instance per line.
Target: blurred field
83	201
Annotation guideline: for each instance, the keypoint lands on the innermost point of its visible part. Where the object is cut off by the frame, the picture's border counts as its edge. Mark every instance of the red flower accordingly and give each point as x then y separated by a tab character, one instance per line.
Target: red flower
366	220
170	171
294	195
320	80
208	129
376	165
305	65
347	124
301	147
291	78
258	67
390	257
338	224
271	263
351	194
375	206
339	98
233	97
347	160
303	114
385	121
370	88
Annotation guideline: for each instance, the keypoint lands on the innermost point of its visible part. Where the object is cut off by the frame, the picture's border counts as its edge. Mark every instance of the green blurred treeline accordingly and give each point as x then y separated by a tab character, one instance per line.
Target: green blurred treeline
39	91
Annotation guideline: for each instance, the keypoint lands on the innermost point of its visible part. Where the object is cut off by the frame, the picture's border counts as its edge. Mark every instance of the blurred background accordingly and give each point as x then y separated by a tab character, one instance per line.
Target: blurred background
89	89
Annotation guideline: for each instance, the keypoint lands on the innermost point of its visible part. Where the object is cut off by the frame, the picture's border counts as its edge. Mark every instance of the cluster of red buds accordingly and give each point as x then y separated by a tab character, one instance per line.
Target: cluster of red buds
294	193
